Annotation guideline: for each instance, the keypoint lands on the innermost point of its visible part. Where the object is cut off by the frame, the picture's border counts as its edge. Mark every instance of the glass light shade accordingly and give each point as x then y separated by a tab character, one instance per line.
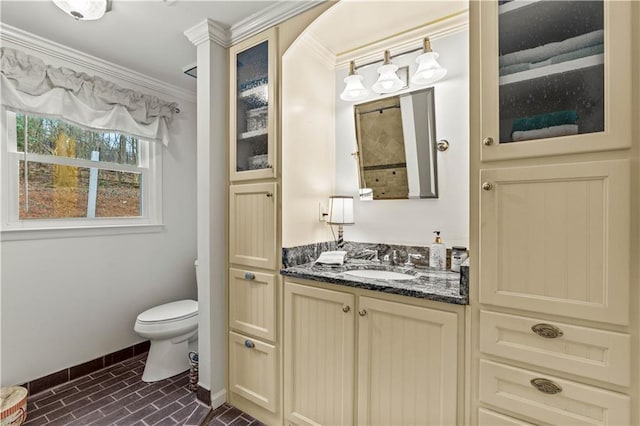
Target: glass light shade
429	70
388	82
85	10
340	210
354	89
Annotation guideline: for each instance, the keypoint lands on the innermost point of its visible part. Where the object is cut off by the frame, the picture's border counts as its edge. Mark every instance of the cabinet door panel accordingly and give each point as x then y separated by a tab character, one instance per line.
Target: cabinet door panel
555	239
252	303
510	388
491	418
252	225
253	65
407	364
253	370
542	59
589	352
319	355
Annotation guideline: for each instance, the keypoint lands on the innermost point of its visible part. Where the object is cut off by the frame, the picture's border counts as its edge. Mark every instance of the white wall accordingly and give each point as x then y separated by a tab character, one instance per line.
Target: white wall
307	141
70	300
413	221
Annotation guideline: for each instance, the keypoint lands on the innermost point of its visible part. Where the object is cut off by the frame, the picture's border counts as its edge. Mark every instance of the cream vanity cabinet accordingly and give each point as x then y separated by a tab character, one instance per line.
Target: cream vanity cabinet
254	373
355	359
553	335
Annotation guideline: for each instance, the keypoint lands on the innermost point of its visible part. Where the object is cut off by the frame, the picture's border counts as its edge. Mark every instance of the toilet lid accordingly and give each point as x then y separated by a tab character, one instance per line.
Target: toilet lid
170	311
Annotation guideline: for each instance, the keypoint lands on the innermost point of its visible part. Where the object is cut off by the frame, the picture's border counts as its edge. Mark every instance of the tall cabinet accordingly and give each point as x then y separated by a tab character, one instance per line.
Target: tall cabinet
553	327
254	345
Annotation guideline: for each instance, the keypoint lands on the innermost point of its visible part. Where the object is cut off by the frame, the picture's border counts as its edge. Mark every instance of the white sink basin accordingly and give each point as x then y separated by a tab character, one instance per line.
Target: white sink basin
379	275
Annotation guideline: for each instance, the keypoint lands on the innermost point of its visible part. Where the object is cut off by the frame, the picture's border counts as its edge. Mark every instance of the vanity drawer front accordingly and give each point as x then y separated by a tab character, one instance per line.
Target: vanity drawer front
512	389
596	354
491	418
253	370
252	300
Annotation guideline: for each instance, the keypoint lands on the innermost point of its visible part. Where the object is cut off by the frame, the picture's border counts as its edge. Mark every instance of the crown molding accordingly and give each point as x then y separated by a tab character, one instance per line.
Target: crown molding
34	43
267	18
208	30
405	41
319	50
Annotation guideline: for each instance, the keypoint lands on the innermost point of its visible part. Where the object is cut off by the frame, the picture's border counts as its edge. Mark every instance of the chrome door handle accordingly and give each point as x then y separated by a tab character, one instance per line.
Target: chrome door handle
362	312
249	276
249	344
487	186
488	141
346	308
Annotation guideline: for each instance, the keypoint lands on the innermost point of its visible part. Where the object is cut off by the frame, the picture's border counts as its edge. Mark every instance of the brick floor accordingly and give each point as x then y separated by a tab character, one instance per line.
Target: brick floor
116	395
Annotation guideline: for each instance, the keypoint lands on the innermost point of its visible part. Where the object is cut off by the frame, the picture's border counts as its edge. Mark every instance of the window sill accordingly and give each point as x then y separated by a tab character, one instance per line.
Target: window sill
20	234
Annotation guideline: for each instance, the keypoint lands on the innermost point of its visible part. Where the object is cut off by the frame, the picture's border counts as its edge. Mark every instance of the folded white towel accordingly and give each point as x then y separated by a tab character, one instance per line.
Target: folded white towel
332	257
547	132
541	53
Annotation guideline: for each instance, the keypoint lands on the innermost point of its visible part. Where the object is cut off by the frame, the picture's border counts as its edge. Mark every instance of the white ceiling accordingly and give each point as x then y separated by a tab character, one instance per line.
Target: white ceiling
144	36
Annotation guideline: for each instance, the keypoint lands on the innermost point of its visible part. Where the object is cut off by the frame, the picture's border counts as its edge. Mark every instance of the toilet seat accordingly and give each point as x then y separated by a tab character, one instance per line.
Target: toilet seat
169	312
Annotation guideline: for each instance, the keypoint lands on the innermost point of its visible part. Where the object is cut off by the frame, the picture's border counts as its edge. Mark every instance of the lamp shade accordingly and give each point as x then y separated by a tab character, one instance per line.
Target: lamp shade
340	210
85	10
354	89
429	70
388	81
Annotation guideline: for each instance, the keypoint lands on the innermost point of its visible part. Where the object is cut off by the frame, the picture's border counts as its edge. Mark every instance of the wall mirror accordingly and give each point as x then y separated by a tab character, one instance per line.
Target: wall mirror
396	139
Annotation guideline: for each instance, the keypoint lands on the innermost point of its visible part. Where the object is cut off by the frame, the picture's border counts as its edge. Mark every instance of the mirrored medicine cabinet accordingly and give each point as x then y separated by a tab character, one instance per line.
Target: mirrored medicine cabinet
396	140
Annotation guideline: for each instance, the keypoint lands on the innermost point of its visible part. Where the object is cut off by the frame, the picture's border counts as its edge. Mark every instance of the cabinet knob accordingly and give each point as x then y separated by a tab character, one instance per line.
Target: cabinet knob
487	186
547	331
269	194
362	312
488	141
249	344
346	308
546	386
249	276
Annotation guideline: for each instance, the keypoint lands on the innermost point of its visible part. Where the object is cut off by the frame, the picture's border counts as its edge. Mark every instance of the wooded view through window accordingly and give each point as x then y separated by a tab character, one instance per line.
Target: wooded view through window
69	172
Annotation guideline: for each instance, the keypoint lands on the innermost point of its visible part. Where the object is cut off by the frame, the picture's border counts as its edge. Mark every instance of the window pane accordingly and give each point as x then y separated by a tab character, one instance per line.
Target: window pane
56	192
119	194
56	137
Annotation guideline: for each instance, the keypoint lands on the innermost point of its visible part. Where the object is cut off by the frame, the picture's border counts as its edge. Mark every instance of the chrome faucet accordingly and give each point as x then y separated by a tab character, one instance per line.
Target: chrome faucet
371	251
411	256
393	260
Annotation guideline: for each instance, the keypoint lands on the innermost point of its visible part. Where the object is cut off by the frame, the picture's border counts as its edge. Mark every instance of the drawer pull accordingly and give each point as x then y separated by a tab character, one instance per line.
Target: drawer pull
269	194
546	386
346	308
488	141
249	344
487	186
547	331
249	276
362	312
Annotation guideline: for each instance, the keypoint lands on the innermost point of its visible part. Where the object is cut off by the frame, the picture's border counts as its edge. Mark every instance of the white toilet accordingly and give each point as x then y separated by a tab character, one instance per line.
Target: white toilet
170	328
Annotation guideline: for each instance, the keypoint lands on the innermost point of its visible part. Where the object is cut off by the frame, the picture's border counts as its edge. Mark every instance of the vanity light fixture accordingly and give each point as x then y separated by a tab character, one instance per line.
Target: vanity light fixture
340	213
429	70
84	10
388	81
354	90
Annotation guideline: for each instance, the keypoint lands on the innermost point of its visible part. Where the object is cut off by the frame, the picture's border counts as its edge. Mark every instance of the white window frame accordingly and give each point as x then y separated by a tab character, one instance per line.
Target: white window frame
13	228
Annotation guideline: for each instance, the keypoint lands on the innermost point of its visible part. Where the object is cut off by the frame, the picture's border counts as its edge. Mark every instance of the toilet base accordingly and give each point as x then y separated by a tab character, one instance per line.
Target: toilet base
165	359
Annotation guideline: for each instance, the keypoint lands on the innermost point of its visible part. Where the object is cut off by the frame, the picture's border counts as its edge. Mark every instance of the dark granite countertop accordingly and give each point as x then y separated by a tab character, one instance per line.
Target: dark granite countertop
441	286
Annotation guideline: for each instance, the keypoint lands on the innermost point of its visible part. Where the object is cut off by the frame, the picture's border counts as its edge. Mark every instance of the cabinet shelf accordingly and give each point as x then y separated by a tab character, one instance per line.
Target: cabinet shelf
549	70
252	134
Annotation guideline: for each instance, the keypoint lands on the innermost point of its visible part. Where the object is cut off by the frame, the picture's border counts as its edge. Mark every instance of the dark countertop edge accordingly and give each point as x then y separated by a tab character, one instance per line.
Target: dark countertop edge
460	300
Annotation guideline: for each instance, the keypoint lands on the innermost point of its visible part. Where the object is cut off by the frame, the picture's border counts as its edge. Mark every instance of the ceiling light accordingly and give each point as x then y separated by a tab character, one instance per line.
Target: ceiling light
429	70
84	10
388	82
354	90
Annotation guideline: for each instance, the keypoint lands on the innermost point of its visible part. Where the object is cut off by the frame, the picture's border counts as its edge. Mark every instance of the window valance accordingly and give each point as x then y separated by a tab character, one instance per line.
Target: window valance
31	86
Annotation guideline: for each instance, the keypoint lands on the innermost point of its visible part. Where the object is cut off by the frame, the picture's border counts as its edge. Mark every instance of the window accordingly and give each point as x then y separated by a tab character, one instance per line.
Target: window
59	175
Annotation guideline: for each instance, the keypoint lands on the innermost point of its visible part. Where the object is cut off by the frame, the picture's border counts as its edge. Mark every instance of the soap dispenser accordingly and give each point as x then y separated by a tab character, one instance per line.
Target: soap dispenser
438	254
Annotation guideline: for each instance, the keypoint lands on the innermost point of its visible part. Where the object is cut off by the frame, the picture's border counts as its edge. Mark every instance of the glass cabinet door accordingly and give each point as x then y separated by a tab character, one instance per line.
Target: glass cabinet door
556	77
252	107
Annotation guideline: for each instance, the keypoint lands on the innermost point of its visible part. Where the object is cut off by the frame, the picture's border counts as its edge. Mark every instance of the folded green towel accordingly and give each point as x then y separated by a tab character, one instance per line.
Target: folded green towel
541	121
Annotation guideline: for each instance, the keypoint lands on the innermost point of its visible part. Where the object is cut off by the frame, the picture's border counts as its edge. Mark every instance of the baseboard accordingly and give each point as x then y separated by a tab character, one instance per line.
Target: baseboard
203	395
59	377
218	398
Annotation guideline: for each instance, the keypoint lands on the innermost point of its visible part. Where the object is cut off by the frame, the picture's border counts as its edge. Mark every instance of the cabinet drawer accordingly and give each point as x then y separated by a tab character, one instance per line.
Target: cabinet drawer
253	370
491	418
597	354
252	299
511	388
